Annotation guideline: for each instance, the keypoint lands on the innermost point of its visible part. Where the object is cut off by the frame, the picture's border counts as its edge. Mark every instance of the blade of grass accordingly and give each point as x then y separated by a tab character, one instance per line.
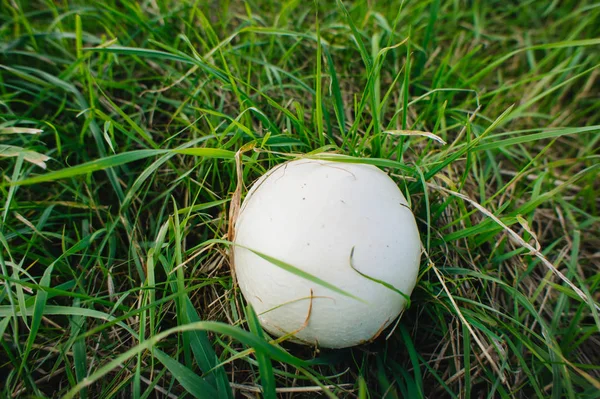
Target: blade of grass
265	367
220	328
120	159
205	355
318	90
195	385
79	349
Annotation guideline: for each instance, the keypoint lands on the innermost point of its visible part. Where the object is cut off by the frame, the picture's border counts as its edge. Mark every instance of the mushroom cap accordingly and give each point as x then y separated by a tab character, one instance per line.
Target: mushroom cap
328	219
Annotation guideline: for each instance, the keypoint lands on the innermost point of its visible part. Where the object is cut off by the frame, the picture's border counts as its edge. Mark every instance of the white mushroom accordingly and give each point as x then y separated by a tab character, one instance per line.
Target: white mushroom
347	224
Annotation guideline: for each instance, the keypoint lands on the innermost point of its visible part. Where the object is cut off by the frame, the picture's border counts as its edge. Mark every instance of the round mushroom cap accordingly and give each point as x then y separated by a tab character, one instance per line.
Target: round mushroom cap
345	223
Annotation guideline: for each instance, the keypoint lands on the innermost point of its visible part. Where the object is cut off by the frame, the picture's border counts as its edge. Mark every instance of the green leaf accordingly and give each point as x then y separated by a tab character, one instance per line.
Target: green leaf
301	273
492	142
205	355
357	37
195	385
79	348
38	313
381	282
220	328
267	378
545	46
39	307
121	159
414	358
3	324
338	103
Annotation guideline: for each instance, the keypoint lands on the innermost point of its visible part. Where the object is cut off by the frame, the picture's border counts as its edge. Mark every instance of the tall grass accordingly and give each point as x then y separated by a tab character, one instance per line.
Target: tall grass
123	126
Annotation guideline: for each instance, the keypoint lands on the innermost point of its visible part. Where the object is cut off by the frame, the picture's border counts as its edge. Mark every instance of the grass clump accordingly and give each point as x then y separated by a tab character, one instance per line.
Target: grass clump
115	279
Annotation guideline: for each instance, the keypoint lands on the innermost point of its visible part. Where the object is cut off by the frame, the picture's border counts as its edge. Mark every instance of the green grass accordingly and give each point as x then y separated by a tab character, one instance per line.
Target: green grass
114	268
